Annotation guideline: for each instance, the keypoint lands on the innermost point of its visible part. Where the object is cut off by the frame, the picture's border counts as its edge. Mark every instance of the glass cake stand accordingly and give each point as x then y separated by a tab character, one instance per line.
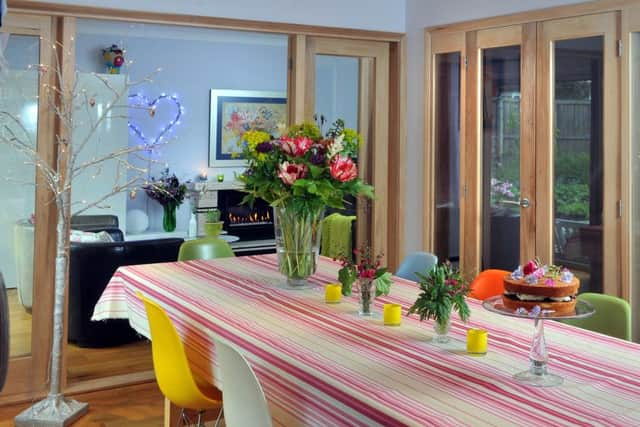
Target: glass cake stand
537	374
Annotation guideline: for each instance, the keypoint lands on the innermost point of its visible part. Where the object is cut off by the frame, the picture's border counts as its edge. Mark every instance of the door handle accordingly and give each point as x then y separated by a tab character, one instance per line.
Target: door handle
524	203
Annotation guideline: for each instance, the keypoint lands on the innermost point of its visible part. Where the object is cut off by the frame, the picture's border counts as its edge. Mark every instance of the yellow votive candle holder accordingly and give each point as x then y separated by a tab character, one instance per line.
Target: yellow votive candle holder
392	314
333	293
477	342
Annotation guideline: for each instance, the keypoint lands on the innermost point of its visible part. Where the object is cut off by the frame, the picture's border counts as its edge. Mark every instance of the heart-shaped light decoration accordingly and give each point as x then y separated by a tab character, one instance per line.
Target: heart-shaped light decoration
140	101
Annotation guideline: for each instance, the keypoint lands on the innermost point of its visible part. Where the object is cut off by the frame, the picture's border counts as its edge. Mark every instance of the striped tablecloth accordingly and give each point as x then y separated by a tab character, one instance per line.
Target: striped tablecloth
322	365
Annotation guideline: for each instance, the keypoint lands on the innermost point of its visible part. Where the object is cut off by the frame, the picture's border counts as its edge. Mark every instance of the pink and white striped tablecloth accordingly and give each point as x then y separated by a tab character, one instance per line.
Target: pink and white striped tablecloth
322	365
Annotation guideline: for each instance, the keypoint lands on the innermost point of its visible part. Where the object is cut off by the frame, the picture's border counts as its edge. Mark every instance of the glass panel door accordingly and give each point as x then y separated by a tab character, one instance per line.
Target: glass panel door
446	117
578	143
578	158
19	102
26	225
634	128
345	80
501	157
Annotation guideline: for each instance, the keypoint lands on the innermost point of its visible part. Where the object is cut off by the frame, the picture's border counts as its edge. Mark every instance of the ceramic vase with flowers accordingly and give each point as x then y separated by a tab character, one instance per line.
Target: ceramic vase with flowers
167	191
300	172
373	280
443	290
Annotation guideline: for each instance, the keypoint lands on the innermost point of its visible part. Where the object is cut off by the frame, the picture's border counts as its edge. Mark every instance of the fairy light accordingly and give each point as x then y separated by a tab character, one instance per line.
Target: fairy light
140	99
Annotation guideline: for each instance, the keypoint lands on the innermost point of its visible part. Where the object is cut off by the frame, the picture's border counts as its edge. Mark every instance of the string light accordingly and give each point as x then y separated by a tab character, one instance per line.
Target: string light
152	105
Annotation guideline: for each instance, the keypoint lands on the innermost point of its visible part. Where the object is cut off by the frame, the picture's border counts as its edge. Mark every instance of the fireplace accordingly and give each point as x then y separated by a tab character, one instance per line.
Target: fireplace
249	223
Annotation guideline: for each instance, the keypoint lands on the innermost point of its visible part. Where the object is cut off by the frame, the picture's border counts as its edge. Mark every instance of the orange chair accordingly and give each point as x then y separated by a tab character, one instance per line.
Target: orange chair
488	283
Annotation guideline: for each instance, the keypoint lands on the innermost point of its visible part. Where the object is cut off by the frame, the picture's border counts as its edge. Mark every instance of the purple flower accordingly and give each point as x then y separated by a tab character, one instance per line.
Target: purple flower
317	155
264	147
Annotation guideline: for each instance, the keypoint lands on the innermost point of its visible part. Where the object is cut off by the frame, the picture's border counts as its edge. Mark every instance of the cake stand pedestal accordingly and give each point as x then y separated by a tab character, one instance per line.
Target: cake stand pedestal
537	375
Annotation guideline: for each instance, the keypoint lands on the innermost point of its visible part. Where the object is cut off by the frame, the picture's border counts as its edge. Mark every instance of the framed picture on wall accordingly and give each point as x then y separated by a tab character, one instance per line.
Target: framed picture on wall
233	112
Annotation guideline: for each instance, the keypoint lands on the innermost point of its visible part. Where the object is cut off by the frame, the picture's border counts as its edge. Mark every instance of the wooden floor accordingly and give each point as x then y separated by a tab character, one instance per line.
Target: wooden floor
135	406
20	326
82	363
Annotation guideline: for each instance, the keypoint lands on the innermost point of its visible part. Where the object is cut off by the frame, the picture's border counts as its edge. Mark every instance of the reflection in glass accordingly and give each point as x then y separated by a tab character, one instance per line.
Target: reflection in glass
447	155
336	96
578	171
501	157
18	97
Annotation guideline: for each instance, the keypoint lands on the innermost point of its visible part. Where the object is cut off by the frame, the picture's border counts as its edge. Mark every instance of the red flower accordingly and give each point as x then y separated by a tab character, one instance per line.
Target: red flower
343	169
529	268
291	172
295	147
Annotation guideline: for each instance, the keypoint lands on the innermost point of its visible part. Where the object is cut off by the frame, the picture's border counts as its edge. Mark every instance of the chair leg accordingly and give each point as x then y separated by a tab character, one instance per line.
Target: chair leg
219	418
183	419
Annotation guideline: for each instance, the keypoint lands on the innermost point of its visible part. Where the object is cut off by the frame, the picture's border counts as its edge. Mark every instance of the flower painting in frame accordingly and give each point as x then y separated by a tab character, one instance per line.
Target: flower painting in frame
234	112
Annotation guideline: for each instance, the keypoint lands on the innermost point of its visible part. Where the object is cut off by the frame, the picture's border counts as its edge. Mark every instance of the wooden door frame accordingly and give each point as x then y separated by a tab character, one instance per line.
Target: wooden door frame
606	25
523	35
28	374
386	225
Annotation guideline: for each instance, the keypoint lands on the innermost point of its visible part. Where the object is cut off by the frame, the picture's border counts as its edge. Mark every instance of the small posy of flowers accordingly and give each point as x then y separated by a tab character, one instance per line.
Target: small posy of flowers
443	289
535	271
303	166
167	189
365	266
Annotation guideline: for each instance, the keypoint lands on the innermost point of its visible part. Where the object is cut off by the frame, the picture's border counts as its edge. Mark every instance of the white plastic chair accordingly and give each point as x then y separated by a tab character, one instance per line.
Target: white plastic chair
243	400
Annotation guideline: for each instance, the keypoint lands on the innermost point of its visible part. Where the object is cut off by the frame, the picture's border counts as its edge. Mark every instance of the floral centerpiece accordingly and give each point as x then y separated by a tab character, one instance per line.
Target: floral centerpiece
167	191
370	275
443	289
299	174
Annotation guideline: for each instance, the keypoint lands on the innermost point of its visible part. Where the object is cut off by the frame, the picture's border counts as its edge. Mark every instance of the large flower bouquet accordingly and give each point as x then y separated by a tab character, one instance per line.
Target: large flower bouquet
299	174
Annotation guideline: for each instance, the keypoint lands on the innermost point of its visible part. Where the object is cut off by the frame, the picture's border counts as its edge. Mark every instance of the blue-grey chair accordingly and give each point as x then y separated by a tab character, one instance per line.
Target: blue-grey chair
420	262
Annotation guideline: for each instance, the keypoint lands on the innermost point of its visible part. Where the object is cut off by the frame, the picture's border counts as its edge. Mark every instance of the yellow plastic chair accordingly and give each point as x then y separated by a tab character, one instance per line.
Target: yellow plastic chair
206	248
173	373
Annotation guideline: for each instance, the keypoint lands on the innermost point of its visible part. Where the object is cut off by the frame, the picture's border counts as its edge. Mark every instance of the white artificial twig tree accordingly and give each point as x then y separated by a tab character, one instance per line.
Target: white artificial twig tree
66	99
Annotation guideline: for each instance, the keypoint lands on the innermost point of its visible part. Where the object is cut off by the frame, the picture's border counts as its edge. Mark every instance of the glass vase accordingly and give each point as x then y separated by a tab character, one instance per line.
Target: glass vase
442	327
297	235
366	293
169	217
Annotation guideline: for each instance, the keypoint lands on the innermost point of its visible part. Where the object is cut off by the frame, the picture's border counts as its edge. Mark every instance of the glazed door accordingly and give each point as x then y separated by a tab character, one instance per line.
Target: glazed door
28	216
349	79
499	155
578	150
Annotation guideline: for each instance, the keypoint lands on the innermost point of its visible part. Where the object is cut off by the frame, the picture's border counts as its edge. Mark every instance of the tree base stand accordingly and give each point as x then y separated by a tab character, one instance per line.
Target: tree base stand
54	410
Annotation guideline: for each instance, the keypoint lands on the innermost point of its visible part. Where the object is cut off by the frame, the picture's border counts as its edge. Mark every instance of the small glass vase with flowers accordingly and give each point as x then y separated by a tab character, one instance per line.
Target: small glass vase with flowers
443	289
373	280
170	193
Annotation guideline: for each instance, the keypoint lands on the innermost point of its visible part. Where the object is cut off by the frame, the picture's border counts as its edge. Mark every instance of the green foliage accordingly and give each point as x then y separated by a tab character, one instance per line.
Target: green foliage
307	129
347	276
213	215
383	283
443	289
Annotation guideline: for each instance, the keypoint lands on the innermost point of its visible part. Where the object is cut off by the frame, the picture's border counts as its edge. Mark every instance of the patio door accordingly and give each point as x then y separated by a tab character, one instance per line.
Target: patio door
542	144
498	160
27	246
578	179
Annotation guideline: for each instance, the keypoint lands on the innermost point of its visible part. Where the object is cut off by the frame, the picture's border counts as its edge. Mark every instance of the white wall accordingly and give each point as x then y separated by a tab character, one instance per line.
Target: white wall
427	13
385	15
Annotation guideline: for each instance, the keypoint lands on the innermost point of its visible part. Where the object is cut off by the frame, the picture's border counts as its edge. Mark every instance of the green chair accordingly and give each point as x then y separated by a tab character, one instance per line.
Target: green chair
336	239
205	248
612	316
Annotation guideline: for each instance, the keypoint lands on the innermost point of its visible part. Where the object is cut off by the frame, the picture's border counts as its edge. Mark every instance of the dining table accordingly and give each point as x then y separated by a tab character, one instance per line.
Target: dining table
323	365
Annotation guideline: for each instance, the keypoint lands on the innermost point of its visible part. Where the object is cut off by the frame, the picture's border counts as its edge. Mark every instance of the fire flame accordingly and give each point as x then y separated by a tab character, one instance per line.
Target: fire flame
252	218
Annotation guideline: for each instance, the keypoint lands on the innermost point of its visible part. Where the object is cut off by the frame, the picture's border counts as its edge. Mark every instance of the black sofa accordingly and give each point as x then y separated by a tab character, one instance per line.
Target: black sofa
91	266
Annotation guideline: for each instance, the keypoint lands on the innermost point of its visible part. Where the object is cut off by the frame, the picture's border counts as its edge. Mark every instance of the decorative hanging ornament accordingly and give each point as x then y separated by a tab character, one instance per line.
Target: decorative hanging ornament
113	58
140	101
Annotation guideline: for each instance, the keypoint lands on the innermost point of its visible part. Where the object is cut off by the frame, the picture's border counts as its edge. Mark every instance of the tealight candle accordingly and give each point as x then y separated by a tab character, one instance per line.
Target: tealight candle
477	341
392	314
333	293
220	177
203	175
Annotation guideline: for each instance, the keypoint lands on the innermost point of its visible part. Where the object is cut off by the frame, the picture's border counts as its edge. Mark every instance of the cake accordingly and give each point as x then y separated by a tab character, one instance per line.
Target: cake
549	287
